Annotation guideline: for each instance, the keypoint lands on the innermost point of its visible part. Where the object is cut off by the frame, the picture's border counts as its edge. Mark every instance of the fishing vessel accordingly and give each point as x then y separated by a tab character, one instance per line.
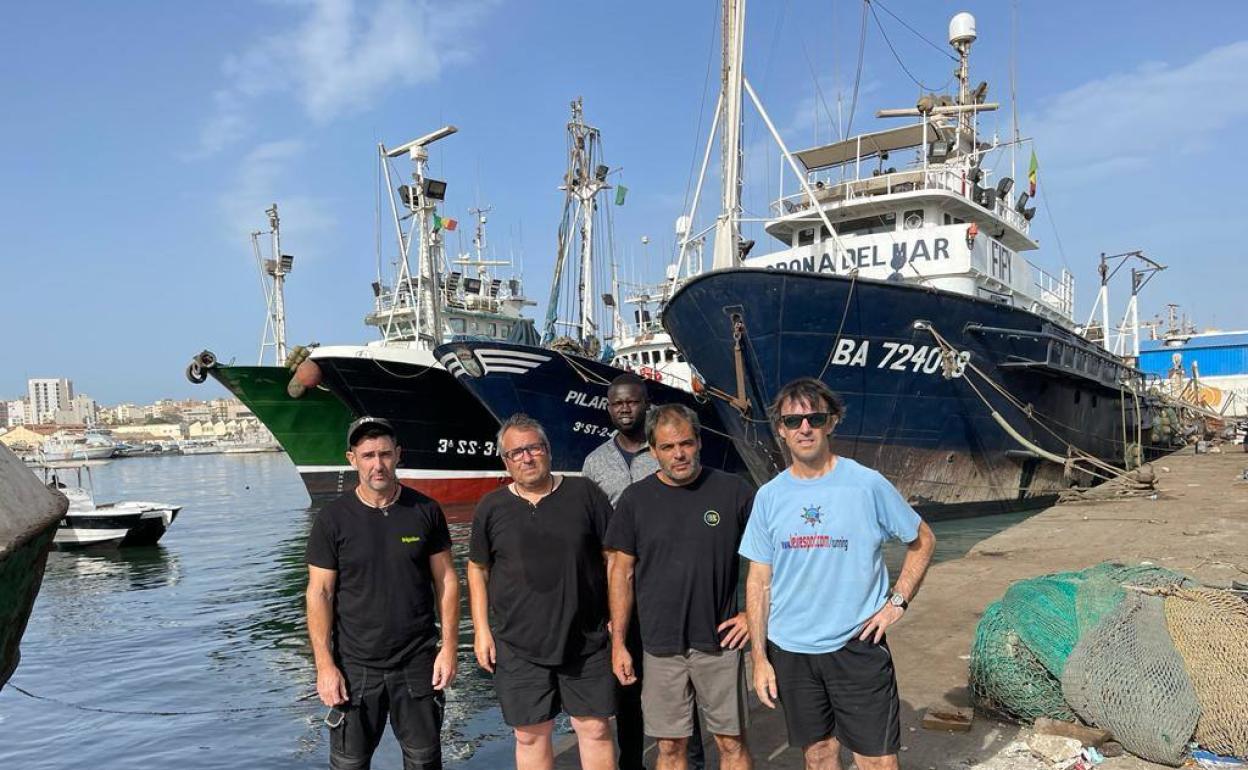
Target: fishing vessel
898	278
447	437
312	428
562	382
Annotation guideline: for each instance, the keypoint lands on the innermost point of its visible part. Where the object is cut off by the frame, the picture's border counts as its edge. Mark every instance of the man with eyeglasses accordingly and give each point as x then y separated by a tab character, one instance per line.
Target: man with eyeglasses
621	460
817	594
674	541
538	593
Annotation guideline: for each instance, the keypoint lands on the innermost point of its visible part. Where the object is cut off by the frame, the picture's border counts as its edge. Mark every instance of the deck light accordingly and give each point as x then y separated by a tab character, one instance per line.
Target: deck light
1004	186
435	189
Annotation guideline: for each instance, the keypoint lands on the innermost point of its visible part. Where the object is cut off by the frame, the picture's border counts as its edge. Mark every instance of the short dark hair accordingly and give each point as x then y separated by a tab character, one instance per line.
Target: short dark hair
372	431
812	391
666	413
520	421
628	378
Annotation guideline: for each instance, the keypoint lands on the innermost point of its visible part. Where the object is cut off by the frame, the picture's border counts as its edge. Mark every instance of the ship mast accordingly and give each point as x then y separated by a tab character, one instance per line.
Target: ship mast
585	177
727	248
275	270
420	304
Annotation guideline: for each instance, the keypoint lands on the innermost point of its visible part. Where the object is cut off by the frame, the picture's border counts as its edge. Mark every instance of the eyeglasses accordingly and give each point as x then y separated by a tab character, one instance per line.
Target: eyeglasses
533	450
816	420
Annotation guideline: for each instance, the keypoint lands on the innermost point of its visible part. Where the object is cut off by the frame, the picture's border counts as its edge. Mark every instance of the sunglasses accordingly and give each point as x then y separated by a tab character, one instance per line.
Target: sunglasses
535	450
816	420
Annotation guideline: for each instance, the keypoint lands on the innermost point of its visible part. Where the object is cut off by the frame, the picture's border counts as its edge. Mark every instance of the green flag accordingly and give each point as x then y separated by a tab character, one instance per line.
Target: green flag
437	223
620	192
1033	175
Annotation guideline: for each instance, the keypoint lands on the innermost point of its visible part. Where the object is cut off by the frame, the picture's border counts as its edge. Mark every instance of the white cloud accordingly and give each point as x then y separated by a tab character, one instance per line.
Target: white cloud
1122	122
259	183
340	57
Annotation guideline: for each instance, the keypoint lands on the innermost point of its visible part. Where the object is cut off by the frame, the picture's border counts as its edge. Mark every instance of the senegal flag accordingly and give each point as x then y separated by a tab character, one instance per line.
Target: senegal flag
444	224
1033	171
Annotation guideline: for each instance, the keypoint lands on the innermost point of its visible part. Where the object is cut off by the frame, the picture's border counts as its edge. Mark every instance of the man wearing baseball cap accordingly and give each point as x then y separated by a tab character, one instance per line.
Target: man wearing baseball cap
380	578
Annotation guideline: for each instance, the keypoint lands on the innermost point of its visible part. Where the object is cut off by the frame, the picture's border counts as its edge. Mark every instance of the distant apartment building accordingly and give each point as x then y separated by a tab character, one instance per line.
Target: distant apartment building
47	396
82	410
15	413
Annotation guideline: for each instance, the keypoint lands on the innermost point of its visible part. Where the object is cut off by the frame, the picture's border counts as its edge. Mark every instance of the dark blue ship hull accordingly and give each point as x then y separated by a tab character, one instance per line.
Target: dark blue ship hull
911	414
567	394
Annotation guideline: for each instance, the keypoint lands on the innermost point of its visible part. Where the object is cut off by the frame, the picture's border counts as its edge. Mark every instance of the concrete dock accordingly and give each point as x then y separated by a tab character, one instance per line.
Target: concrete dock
1198	524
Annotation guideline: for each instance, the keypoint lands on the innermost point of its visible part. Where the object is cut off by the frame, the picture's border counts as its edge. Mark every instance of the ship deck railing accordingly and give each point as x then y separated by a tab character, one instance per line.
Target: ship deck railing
939	178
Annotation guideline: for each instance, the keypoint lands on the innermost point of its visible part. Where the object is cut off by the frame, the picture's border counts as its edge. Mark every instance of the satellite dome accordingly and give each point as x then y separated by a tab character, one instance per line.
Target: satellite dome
962	29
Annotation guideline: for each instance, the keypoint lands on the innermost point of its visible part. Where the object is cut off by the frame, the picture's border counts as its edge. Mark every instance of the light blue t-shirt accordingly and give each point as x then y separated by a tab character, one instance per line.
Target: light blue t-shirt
824	541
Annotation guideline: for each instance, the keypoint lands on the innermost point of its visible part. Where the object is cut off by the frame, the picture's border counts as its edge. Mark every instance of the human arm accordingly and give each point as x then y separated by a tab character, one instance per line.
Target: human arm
620	595
757	608
479	608
913	568
330	685
446	587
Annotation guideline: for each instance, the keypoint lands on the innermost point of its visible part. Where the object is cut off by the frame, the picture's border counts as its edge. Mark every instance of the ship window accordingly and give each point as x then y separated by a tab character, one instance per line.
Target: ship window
884	223
457	325
491	329
679	358
504	330
951	220
806	237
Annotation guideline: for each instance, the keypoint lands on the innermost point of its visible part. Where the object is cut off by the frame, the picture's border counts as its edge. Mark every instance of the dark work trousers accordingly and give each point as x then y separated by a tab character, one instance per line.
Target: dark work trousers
630	734
404	694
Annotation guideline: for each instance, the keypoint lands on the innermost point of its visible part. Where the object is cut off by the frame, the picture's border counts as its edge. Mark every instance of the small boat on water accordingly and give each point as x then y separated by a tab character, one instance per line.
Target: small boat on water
88	524
93	445
28	516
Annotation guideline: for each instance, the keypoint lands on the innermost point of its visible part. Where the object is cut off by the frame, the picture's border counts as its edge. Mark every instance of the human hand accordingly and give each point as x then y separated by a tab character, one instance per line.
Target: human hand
444	668
331	686
483	646
765	683
622	665
738	632
882	619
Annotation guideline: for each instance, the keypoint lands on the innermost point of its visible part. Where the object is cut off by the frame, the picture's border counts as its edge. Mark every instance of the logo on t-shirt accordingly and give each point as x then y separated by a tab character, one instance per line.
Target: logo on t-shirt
410	539
711	518
811	515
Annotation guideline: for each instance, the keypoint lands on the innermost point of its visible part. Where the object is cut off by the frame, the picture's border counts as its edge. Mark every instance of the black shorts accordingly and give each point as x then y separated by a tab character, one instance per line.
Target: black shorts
850	694
531	693
405	694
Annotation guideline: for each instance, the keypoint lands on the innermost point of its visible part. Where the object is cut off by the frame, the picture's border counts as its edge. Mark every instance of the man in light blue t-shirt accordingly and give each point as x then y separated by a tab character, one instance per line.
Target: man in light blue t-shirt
817	594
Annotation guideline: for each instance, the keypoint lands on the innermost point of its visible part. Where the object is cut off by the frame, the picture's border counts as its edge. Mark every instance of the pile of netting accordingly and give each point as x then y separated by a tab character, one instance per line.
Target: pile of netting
1140	651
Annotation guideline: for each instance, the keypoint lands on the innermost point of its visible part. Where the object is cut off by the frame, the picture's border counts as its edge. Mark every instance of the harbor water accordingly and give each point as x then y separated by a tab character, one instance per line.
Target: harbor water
194	653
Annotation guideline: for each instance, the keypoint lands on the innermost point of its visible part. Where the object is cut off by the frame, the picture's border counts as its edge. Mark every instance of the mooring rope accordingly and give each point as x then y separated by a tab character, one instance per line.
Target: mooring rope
125	712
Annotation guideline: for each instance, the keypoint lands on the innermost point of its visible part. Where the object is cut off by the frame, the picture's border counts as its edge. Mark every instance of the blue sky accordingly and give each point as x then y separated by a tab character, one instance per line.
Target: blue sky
142	141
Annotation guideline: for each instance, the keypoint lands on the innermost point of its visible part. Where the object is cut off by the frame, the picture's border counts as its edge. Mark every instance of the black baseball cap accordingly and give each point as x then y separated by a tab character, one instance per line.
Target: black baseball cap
359	425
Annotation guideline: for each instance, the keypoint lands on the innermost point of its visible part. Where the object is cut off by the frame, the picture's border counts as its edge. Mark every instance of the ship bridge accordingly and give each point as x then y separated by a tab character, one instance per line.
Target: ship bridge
940	220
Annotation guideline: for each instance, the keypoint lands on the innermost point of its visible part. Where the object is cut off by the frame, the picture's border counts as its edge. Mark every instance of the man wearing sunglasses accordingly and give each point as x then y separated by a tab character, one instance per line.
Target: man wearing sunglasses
817	594
538	593
621	460
674	541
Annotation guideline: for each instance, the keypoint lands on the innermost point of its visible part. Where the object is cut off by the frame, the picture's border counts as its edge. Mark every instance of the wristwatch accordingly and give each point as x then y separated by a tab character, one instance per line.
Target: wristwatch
897	600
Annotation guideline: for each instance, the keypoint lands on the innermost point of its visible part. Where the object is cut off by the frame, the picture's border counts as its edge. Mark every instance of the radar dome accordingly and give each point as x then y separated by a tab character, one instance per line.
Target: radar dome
962	29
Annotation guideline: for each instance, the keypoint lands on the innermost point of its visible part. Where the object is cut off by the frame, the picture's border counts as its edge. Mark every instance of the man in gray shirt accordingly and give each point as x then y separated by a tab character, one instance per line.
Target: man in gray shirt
621	460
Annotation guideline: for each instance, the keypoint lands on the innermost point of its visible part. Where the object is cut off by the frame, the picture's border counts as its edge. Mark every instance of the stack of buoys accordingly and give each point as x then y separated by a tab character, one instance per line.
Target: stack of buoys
306	372
197	370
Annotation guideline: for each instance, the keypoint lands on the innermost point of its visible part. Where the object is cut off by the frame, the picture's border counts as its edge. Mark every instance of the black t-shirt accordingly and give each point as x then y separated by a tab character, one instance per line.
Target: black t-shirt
384	606
685	541
548	579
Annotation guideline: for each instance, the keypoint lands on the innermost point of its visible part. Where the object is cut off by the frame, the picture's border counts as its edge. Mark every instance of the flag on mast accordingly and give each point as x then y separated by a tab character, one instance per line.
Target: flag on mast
620	192
1033	172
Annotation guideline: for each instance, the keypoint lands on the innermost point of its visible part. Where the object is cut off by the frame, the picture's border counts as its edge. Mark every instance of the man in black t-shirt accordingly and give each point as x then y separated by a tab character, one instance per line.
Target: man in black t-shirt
675	536
379	576
538	589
